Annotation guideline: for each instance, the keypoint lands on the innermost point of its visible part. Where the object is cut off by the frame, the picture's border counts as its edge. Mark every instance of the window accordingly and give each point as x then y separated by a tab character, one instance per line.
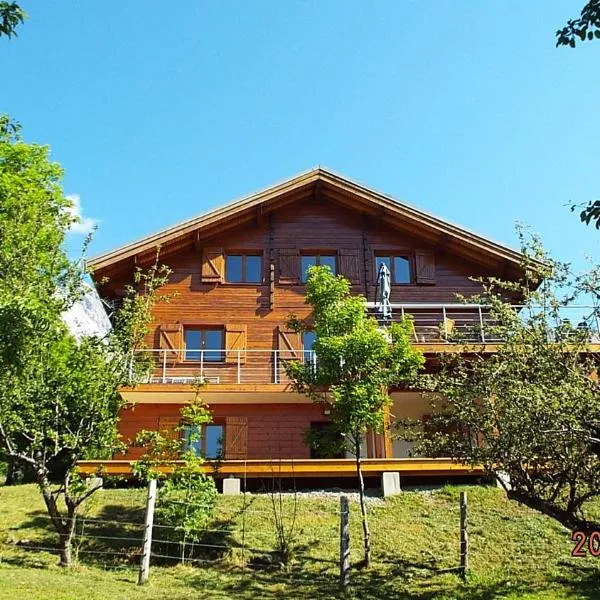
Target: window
206	441
308	339
243	268
318	259
204	344
399	267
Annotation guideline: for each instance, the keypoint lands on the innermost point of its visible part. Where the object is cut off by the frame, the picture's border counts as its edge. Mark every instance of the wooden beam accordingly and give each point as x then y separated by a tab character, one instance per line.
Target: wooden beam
258	468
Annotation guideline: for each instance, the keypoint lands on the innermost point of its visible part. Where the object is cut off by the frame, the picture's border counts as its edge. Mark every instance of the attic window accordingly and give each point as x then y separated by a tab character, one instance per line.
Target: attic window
399	267
243	268
318	259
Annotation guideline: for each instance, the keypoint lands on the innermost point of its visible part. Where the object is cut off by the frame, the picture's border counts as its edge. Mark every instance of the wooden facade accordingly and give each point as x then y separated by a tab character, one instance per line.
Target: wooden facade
317	214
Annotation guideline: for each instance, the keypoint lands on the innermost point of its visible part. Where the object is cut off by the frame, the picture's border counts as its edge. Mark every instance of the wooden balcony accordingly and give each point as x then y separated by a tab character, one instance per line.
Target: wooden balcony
437	328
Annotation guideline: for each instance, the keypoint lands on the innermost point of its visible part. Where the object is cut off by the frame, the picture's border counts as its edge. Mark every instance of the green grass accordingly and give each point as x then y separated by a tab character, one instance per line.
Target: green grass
515	553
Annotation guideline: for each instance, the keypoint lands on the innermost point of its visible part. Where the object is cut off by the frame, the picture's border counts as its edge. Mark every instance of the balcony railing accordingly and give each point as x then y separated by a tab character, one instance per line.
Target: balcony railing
433	324
473	323
220	366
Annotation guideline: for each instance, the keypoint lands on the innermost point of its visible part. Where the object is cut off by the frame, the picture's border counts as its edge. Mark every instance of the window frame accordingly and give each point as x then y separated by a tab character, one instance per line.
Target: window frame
202	440
393	255
203	329
244	254
318	254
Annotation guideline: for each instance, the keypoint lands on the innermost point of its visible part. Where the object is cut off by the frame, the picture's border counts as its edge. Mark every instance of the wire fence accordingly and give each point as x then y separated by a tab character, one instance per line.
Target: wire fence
245	537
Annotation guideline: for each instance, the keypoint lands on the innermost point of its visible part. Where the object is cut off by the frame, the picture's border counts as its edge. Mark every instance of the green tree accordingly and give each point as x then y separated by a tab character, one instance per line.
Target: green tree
58	396
586	27
187	498
530	413
357	363
11	16
589	213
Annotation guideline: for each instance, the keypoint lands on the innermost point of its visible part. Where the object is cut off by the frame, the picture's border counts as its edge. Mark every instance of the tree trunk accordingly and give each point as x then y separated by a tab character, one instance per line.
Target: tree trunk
10	472
566	518
64	529
66	538
363	508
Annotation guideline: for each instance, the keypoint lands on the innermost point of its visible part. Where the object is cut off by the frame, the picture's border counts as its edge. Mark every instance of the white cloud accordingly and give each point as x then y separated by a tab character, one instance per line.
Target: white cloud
81	225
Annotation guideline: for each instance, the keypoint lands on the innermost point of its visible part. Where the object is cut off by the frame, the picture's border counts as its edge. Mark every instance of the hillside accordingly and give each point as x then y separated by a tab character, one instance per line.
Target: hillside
515	553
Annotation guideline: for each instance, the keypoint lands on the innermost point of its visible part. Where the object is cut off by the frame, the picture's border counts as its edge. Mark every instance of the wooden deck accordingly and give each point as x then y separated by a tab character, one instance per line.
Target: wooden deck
260	468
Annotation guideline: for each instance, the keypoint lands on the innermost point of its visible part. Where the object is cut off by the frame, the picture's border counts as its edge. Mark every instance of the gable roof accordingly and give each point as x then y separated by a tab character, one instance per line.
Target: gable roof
316	182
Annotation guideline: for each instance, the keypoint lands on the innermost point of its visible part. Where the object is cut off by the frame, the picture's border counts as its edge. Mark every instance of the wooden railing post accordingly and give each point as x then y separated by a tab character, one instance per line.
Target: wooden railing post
239	366
148	524
344	544
276	366
464	536
164	367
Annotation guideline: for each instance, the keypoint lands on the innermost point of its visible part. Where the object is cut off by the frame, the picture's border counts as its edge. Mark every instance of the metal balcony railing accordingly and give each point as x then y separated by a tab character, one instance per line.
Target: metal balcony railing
432	324
191	366
473	323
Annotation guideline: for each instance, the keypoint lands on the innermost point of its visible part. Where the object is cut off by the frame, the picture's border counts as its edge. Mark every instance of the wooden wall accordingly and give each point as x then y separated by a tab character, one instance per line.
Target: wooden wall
317	226
274	430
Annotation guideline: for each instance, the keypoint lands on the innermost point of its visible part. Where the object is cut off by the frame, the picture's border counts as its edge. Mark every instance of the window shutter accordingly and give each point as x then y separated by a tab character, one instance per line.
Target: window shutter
168	427
289	266
235	339
236	438
170	337
349	264
425	267
213	265
289	344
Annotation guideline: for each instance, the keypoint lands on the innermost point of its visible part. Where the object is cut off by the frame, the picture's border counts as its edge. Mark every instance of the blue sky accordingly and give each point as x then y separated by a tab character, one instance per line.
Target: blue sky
159	111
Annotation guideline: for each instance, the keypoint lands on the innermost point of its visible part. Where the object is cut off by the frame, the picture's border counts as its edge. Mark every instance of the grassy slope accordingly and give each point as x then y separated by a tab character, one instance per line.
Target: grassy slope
515	553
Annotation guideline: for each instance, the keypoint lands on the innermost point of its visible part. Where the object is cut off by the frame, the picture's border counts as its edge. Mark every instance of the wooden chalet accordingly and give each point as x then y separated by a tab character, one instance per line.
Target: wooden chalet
238	274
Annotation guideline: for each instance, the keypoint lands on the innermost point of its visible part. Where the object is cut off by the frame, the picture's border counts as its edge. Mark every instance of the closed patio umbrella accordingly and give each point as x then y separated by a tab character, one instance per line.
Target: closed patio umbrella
383	290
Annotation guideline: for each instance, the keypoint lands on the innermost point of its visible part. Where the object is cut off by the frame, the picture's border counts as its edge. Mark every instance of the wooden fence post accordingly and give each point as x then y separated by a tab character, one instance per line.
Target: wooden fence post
464	536
344	543
148	523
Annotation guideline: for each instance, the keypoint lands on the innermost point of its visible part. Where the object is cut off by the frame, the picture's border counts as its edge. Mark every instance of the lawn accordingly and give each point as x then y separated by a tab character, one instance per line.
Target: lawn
515	553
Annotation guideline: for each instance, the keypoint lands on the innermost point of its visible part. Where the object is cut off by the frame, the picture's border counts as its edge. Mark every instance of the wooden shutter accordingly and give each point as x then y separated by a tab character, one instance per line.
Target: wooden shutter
236	438
170	337
425	267
213	265
289	266
349	264
289	343
168	427
235	339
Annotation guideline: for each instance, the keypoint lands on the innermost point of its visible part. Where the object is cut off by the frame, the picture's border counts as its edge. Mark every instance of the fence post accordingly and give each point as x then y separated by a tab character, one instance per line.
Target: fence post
464	536
344	544
148	523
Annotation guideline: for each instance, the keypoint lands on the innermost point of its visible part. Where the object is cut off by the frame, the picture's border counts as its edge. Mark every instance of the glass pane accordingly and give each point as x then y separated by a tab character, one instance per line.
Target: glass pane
328	261
306	261
193	344
308	339
401	270
213	345
193	440
233	268
214	441
379	260
253	269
